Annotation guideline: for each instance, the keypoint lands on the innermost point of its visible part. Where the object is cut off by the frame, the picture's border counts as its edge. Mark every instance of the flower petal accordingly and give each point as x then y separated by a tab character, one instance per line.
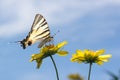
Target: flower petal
62	53
59	45
79	53
35	57
105	56
39	63
44	49
99	52
99	62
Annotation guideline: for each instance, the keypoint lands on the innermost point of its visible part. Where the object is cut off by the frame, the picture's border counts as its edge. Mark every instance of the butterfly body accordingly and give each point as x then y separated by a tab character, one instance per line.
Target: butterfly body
39	33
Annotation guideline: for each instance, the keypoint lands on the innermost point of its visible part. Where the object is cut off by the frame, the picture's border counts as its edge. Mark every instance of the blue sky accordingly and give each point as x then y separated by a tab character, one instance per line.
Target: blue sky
93	24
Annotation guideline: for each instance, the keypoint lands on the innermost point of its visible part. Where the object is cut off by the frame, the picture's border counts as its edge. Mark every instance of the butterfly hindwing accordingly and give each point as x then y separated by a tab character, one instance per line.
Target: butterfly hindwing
48	39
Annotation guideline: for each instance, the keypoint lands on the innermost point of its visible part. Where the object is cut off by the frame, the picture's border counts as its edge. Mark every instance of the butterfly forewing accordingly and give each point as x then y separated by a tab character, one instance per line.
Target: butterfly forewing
37	19
39	32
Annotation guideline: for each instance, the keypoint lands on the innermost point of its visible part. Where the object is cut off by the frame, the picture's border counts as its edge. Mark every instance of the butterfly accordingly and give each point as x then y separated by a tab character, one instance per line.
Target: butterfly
39	32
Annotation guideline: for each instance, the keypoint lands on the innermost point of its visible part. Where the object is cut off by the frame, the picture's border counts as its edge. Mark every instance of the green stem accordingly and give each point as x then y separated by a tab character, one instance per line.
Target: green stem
54	66
90	67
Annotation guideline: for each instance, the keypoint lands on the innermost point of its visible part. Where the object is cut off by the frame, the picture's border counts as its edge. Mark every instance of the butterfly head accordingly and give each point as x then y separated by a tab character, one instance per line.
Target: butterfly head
24	43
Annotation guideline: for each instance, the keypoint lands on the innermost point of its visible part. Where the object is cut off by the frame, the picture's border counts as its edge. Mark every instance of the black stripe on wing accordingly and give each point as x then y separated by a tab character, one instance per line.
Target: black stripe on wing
43	33
37	18
43	24
44	37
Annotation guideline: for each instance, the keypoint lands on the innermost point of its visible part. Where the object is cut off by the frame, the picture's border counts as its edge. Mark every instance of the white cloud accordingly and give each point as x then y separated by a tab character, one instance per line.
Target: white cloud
21	13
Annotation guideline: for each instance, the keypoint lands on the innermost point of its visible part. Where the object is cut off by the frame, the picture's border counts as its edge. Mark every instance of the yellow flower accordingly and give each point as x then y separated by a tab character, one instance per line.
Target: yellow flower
90	56
48	50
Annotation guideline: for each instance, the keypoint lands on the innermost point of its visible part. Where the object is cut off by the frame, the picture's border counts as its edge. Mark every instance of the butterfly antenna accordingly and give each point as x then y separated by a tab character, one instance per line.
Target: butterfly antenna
56	33
14	42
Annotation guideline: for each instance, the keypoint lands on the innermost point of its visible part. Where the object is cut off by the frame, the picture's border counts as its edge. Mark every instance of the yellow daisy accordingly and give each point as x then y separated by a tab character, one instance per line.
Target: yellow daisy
90	56
48	50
